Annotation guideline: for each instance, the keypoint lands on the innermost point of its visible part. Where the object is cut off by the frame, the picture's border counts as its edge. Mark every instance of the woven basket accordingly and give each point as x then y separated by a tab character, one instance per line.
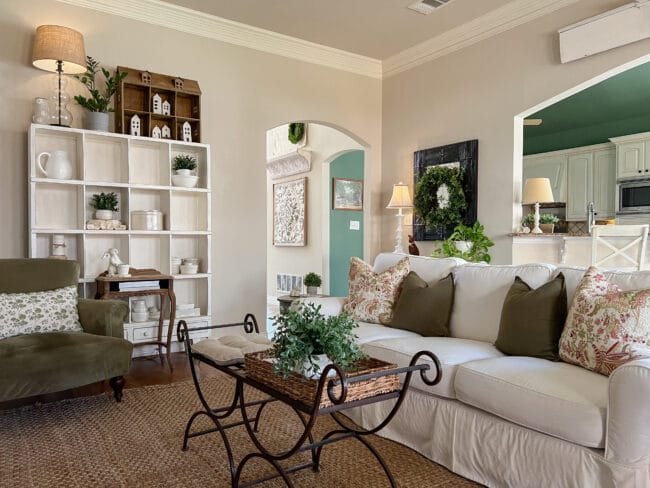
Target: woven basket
299	388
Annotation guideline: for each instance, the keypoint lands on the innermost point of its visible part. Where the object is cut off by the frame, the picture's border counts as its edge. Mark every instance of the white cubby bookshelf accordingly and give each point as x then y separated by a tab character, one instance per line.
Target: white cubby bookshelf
138	170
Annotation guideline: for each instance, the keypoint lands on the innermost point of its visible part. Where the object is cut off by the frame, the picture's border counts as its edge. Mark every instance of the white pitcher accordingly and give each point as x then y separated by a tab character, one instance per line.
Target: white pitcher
58	165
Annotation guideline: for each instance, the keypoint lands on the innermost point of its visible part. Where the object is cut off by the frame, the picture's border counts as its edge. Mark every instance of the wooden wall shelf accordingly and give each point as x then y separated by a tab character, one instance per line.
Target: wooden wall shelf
135	96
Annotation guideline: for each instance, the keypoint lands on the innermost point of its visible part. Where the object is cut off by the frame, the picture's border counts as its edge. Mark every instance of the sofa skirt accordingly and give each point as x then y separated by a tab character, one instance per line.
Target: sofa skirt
492	451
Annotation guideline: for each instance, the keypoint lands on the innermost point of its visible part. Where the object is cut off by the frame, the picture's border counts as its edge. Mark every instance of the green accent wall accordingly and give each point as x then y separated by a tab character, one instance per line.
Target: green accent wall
344	243
617	106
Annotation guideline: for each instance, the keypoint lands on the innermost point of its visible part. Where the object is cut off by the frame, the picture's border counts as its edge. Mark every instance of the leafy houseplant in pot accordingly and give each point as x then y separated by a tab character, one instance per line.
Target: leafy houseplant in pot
306	342
104	204
97	104
547	223
183	166
312	282
466	242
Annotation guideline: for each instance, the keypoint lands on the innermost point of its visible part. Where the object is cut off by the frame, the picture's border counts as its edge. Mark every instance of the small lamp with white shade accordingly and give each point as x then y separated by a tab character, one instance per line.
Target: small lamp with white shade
400	199
536	191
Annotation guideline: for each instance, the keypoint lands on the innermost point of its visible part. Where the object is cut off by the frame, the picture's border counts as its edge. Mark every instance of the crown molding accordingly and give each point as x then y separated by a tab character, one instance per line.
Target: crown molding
507	17
201	24
182	19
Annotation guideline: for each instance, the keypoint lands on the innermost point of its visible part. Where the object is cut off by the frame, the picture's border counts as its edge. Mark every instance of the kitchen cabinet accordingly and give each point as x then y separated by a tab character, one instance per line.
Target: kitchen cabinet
604	196
581	185
552	166
632	155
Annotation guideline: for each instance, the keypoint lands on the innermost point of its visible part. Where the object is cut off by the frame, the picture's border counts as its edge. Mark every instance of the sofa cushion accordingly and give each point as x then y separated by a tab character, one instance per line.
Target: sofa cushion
451	353
480	290
373	295
606	327
367	332
39	311
424	308
532	320
429	269
555	398
43	363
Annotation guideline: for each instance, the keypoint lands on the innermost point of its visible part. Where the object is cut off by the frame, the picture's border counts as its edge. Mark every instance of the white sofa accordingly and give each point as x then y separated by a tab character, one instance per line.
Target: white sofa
506	420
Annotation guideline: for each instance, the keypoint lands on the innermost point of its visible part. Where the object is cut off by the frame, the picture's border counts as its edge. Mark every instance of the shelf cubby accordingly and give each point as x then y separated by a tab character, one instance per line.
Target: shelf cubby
188	106
49	139
193	291
189	211
122	205
42	246
57	206
106	159
149	162
136	98
141	199
150	251
95	245
184	246
202	156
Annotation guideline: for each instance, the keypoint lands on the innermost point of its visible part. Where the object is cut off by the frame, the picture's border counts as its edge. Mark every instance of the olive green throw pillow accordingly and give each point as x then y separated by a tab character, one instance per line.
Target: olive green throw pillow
532	320
423	308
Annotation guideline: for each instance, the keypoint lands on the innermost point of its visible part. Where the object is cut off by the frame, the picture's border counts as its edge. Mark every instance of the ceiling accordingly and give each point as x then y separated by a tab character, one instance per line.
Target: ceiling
373	28
617	106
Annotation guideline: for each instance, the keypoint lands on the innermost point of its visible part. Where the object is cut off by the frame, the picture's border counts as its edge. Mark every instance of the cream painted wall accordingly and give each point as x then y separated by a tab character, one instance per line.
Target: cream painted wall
474	94
325	144
245	92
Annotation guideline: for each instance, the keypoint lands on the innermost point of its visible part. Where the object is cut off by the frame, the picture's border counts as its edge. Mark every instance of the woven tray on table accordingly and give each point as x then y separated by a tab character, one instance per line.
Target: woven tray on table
304	390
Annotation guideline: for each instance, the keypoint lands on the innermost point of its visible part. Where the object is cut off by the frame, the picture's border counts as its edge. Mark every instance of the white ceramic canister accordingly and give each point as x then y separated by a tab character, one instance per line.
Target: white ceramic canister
146	220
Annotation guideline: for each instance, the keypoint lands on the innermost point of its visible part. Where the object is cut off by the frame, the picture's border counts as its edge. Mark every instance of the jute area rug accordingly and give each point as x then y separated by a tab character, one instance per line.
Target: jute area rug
95	441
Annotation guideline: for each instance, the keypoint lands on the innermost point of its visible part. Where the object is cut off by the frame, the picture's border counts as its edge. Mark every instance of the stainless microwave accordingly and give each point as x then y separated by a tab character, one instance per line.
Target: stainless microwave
634	196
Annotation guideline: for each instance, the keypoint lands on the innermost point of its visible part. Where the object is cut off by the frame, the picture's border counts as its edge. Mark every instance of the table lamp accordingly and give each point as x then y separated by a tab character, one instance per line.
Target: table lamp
61	50
536	191
400	199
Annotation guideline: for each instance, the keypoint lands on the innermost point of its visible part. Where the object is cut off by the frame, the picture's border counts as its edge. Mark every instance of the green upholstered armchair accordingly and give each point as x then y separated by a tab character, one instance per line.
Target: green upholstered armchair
35	364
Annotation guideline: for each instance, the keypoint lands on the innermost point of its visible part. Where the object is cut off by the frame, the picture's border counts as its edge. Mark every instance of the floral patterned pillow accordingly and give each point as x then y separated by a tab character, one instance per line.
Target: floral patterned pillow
373	295
605	327
42	311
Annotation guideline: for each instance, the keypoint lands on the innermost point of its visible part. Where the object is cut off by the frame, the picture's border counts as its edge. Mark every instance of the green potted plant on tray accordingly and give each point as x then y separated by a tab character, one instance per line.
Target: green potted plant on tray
104	204
98	102
306	341
466	242
312	282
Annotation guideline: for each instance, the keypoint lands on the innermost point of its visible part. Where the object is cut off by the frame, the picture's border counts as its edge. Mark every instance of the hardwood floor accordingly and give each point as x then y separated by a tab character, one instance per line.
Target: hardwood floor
144	371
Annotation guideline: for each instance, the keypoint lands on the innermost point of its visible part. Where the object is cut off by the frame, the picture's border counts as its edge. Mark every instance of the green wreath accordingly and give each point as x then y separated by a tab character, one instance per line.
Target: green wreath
296	132
426	201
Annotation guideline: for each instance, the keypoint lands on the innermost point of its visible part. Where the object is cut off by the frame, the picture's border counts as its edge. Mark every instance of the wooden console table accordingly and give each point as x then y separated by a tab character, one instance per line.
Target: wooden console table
108	287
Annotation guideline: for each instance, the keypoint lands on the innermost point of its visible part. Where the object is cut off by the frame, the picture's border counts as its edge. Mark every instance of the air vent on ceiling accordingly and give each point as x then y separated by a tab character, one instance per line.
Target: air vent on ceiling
427	6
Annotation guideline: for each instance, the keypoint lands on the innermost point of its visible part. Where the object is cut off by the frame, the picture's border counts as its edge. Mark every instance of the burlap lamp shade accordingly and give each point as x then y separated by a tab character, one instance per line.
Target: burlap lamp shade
55	43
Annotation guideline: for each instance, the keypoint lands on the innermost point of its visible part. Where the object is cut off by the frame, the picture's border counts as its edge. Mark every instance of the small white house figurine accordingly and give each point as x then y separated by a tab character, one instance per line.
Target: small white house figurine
114	261
135	125
166	132
166	108
156	102
187	132
156	133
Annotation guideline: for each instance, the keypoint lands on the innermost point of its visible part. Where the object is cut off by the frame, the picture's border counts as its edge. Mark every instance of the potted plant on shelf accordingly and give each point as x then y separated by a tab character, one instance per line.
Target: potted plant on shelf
306	341
528	221
183	166
466	242
98	102
104	204
547	223
312	282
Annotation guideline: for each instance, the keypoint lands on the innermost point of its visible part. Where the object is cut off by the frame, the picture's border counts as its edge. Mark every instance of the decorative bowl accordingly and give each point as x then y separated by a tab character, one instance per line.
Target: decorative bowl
189	268
185	181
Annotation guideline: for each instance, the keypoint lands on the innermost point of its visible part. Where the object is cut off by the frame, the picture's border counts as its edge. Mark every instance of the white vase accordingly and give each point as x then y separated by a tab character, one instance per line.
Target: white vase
463	246
312	290
104	214
321	362
184	172
97	121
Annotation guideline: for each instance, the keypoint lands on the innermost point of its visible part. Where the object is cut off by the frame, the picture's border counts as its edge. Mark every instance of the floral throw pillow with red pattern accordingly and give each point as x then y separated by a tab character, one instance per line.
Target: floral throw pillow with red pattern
606	327
373	295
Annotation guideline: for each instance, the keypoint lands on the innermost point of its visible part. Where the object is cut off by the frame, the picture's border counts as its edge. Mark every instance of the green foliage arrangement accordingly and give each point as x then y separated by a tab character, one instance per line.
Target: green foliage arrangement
304	333
296	132
312	279
426	202
528	219
184	161
98	101
474	234
104	201
548	219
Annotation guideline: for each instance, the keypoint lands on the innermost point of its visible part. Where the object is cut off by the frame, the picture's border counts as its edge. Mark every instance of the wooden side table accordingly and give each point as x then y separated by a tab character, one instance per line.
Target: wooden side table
287	300
108	287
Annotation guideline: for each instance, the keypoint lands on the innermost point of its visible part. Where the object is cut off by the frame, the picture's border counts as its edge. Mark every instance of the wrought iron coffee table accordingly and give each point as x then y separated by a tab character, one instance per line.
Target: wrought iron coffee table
335	387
